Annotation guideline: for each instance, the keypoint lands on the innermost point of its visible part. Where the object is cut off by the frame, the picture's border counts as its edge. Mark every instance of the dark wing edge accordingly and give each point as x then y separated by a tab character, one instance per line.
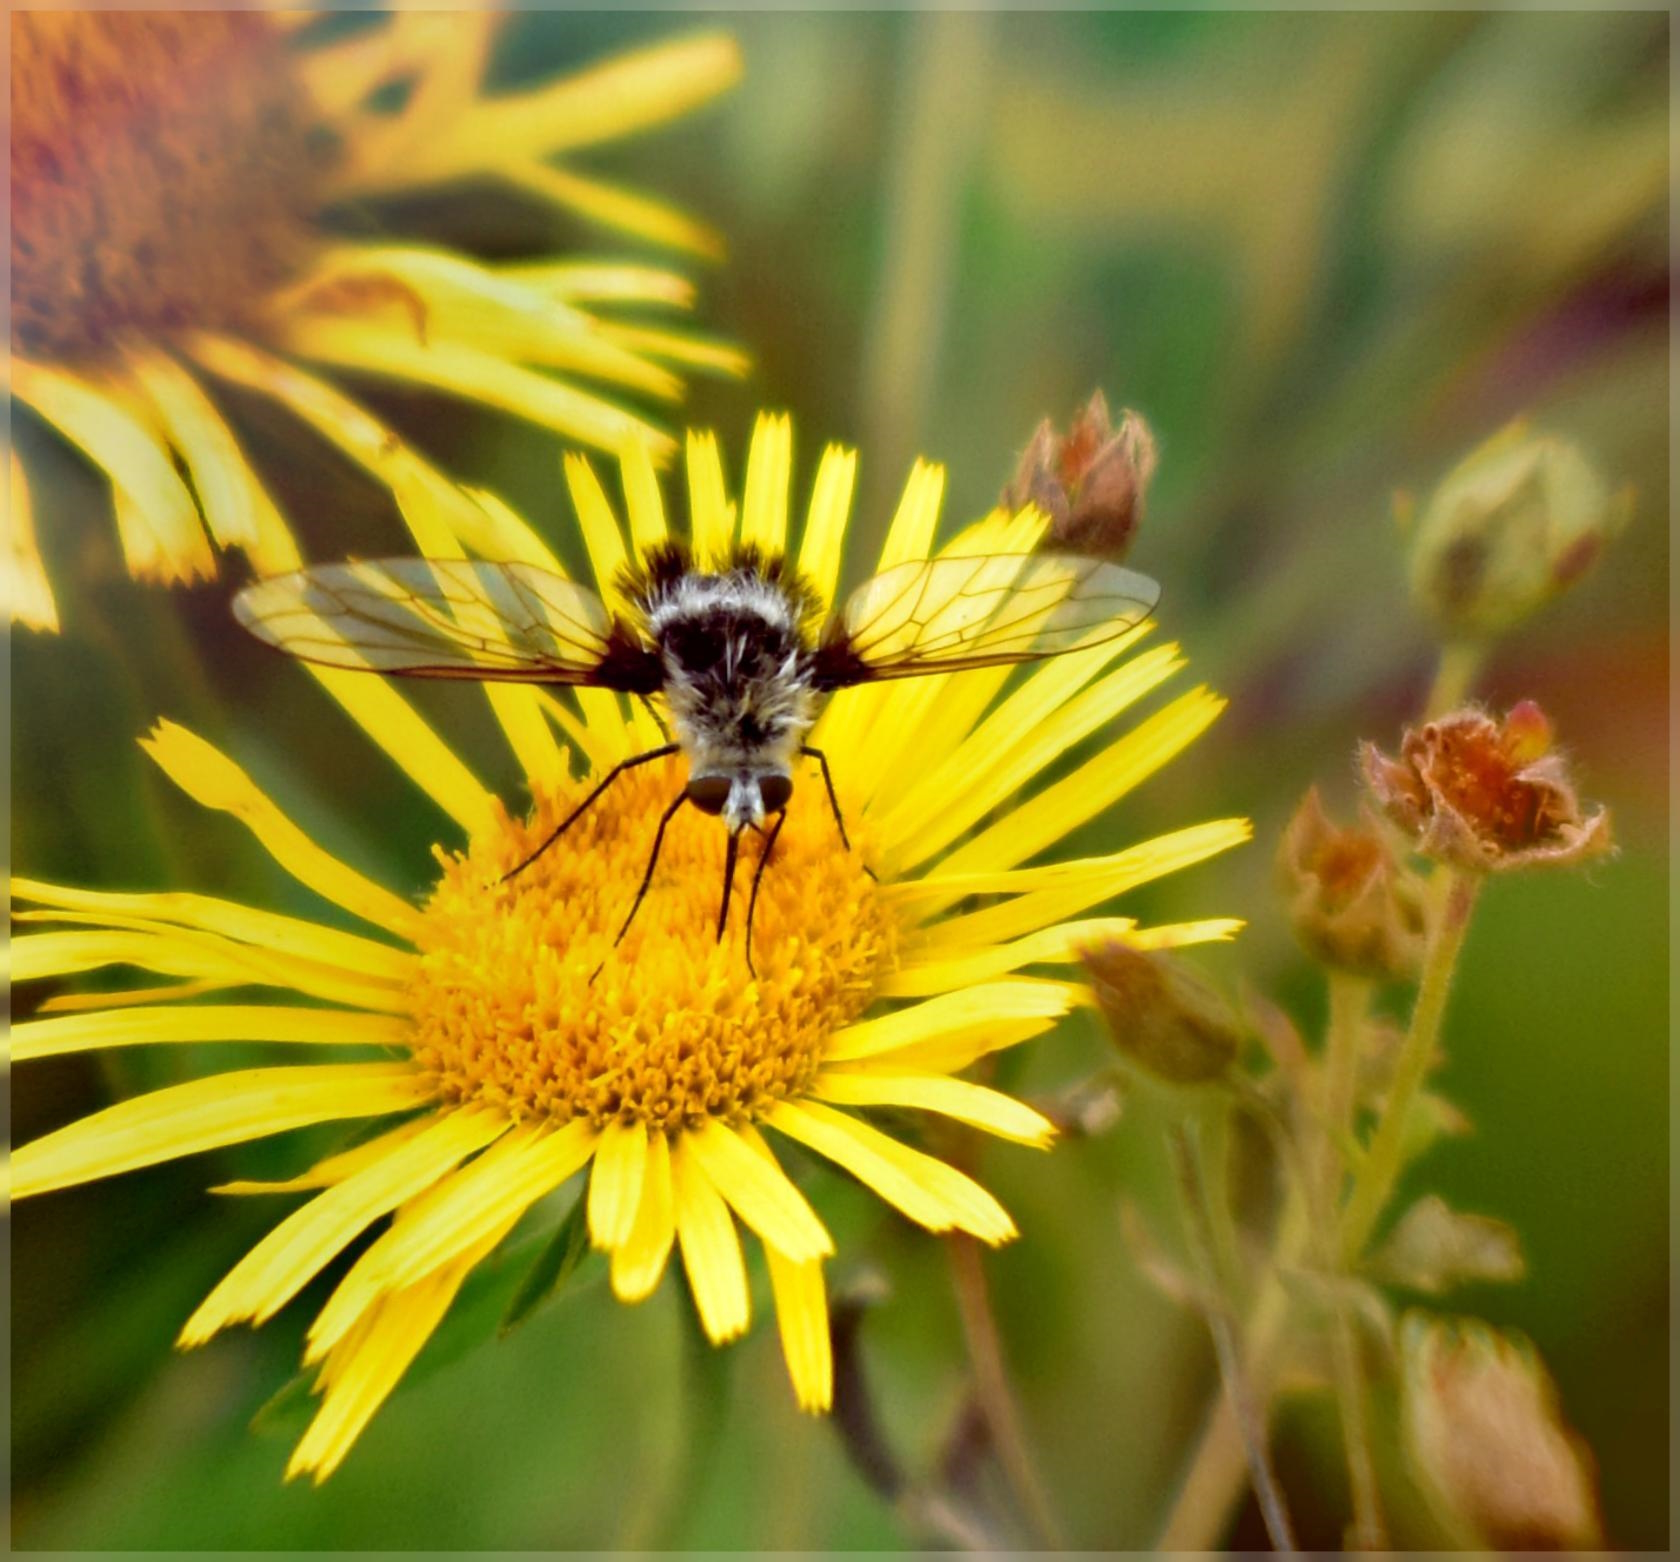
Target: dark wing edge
449	619
954	614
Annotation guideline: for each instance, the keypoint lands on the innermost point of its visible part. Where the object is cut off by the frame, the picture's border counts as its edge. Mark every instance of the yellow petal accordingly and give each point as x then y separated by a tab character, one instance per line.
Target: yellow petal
28	593
642	501
760	1193
951	1017
205	1114
373	348
605	282
138	465
802	1321
349	952
825	525
711	1249
1097	784
943	971
711	515
613	206
764	499
910	536
959	1098
615	1182
211	779
335	1167
679	347
206	1023
927	1190
639	1261
296	1250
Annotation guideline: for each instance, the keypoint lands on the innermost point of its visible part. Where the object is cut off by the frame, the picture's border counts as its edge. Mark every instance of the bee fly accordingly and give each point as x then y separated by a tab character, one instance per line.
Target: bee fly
738	654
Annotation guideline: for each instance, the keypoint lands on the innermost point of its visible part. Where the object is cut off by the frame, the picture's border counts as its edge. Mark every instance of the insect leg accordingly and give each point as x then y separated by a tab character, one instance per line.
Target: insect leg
833	801
654	716
653	859
758	876
566	823
729	853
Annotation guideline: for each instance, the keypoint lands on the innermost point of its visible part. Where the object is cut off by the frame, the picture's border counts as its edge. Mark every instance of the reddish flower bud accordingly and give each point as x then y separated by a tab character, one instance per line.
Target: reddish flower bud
1092	482
1485	794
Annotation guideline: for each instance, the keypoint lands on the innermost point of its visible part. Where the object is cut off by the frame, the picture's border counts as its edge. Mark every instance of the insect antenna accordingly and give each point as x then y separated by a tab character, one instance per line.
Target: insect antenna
566	823
758	878
647	877
729	855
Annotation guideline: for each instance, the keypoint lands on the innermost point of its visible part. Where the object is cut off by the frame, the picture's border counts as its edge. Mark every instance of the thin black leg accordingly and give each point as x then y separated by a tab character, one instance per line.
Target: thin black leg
566	823
729	853
653	859
658	720
833	801
758	877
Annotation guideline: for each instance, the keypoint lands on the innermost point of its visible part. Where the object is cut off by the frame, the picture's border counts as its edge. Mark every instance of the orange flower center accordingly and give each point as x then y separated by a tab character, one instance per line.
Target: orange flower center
163	168
525	1002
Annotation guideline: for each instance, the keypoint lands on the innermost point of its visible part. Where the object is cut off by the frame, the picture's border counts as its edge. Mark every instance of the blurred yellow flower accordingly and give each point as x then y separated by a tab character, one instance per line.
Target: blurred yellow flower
518	1066
174	184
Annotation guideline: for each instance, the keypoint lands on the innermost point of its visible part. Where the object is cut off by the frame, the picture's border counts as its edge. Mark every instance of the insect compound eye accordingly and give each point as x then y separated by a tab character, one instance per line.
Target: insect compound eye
709	793
775	792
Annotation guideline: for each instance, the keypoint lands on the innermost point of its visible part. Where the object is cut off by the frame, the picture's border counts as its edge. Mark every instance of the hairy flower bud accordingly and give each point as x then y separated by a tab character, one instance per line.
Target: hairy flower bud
1091	482
1161	1014
1513	525
1485	794
1352	903
1484	1433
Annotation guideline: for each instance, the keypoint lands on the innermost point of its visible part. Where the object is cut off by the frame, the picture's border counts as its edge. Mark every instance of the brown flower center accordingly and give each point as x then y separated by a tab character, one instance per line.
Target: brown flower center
163	169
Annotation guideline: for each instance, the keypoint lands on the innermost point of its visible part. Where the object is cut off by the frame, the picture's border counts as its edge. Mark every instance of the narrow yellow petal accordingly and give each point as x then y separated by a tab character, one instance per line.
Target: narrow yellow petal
500	1185
370	347
605	282
296	1250
950	1017
995	775
1097	784
223	478
335	1167
601	534
711	1249
959	1098
615	1183
943	971
1177	935
211	779
28	593
490	527
87	1003
825	525
1057	891
802	1321
642	501
910	536
205	1023
205	1114
350	952
761	1194
926	1190
678	347
613	206
764	498
639	1261
711	526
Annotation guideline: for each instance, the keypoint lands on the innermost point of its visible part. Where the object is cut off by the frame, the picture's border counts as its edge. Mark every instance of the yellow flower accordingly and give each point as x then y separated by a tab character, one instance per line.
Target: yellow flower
517	1065
175	180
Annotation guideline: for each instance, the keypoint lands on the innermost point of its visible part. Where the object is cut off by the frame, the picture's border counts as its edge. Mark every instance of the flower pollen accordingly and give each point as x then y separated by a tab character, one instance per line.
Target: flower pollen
163	169
509	1009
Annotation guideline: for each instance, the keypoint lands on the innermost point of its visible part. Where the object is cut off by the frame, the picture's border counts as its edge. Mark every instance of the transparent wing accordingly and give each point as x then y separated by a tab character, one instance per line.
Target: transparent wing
447	618
946	614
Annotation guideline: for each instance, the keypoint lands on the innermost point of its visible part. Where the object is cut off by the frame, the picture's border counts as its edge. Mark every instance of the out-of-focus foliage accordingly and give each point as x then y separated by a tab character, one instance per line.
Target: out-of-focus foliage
1325	255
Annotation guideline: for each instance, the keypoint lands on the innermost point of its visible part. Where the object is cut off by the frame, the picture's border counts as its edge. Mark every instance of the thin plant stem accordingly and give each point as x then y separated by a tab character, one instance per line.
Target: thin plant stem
1249	1417
991	1387
1460	661
1214	1142
1350	998
1374	1181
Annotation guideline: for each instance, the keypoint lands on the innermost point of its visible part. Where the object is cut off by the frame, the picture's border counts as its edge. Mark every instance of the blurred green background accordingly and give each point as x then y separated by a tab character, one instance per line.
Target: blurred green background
1324	254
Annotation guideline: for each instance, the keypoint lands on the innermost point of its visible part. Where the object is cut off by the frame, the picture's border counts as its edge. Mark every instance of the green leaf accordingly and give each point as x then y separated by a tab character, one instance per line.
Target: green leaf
554	1266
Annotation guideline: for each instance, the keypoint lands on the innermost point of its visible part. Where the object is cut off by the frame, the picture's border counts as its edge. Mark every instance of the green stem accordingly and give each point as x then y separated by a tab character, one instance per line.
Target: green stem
1374	1183
1460	661
991	1387
1350	998
1247	1409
